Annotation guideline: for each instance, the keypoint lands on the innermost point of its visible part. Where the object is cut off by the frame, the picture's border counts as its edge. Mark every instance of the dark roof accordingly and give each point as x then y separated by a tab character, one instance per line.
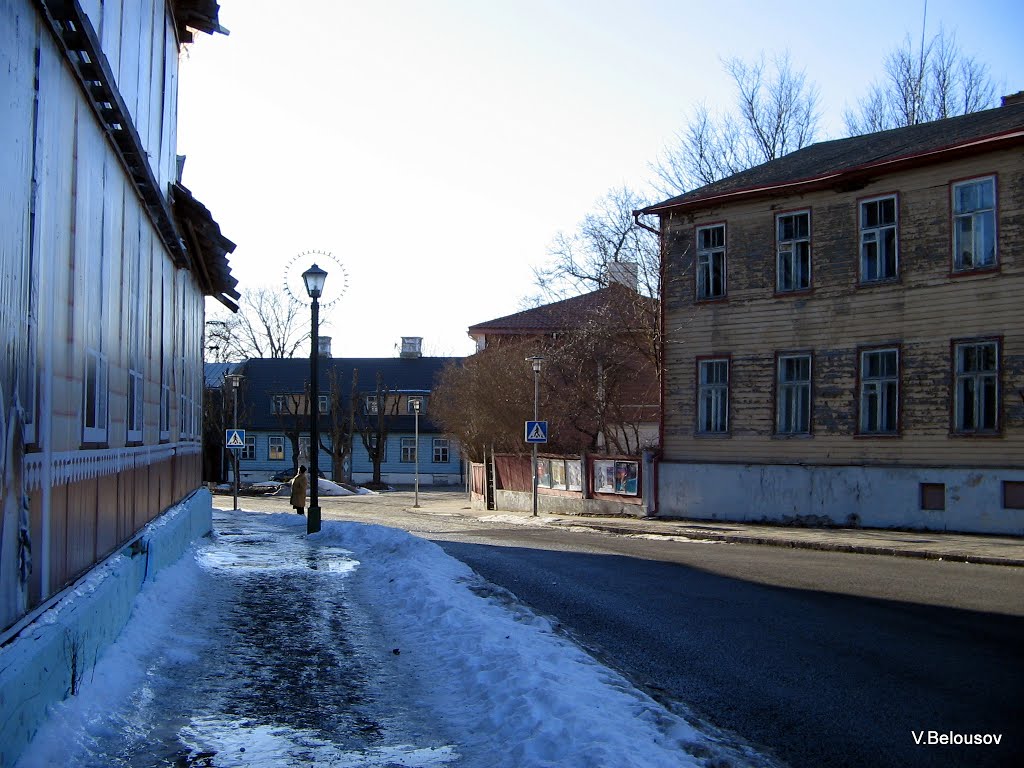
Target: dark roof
265	377
614	301
207	248
201	15
859	158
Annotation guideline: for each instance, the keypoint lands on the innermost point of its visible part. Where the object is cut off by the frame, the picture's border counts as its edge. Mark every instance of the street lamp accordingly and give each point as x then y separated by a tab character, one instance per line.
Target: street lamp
536	360
314	278
416	413
235	379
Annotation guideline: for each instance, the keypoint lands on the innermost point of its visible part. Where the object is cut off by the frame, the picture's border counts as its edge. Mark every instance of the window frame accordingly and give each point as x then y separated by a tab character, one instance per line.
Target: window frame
248	452
956	404
371	405
779	244
957	268
896	382
275	442
702	294
439	444
783	387
99	378
713	388
879	239
408	450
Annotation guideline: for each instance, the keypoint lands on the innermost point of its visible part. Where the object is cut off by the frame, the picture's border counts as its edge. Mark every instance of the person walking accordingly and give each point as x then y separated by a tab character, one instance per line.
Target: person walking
300	483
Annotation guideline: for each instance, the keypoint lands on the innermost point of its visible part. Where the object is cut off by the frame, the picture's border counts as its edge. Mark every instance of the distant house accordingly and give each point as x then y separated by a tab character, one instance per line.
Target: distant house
274	411
849	347
610	316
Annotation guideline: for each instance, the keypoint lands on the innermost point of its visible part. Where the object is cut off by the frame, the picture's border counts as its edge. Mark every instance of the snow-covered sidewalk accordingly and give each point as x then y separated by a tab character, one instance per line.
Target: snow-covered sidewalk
358	646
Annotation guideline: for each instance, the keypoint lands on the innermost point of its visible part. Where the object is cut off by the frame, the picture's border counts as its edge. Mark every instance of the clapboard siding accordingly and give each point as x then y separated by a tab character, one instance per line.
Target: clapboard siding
921	313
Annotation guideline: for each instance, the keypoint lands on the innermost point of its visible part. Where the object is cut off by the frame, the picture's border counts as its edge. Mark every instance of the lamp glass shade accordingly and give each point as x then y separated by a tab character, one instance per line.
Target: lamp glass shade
314	278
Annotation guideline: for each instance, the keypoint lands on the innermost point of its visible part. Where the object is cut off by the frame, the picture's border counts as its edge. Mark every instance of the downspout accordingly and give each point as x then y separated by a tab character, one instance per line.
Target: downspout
656	458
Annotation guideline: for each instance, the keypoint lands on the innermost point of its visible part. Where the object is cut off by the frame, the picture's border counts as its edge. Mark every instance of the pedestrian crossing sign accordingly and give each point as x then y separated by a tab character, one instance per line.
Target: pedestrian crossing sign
235	438
536	432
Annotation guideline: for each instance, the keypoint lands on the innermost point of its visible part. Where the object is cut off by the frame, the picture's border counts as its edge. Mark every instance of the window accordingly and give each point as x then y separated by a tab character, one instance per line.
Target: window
383	450
304	449
275	450
410	405
1013	494
323	405
879	392
277	404
249	450
794	395
977	387
408	449
933	496
94	405
440	450
370	406
135	406
165	412
711	262
878	245
793	268
974	224
713	396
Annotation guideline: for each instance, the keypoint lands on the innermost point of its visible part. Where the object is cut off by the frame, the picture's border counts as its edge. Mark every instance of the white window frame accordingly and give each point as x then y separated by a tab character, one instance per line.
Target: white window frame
275	448
277	404
879	236
95	381
793	251
441	450
713	396
136	405
370	405
248	452
165	412
793	404
973	222
879	392
324	404
975	387
408	455
305	447
711	262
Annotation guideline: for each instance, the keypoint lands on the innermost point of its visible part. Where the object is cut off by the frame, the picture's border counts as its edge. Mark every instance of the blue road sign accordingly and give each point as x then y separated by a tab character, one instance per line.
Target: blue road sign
536	431
234	438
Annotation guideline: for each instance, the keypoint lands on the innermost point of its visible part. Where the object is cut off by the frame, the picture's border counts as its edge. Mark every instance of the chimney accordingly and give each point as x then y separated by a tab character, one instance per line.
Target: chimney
1013	98
412	347
324	346
624	273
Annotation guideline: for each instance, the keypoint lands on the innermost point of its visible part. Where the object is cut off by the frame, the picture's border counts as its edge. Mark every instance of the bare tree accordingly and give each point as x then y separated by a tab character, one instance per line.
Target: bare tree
777	112
931	82
373	422
340	425
268	324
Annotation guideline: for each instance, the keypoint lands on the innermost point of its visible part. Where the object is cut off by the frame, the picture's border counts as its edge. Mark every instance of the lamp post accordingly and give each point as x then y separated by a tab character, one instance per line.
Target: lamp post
416	413
536	360
314	278
235	379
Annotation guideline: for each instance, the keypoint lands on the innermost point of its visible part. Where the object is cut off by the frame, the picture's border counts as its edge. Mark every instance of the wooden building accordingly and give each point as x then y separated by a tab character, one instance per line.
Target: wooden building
105	260
847	346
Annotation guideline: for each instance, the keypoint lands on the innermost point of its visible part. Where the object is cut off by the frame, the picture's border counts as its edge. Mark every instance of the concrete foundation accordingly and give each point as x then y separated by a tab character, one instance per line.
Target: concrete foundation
870	497
42	663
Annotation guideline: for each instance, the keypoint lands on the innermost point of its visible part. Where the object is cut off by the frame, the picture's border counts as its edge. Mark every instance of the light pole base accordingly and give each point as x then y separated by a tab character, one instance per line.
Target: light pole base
313	520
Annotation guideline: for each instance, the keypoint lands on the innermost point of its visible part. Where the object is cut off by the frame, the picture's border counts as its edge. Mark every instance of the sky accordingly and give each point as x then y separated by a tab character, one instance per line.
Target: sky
432	151
429	666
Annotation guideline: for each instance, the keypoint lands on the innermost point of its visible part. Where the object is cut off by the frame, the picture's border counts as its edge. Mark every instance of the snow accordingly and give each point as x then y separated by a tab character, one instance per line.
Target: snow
500	685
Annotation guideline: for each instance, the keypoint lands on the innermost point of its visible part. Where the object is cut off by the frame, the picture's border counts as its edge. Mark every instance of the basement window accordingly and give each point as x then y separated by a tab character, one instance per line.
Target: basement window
933	496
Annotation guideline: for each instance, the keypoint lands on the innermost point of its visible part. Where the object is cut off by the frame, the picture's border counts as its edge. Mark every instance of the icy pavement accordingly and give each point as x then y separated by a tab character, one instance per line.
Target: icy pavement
359	646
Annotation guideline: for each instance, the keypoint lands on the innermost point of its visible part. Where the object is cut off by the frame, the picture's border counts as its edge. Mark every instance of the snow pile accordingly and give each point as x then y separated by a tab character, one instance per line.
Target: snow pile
500	676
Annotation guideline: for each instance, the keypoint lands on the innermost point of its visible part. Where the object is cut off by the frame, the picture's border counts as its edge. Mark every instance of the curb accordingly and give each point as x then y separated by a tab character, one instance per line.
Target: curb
822	546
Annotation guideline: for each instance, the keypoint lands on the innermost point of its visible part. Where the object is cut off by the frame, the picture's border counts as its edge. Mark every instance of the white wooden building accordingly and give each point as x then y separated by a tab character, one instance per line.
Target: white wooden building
105	260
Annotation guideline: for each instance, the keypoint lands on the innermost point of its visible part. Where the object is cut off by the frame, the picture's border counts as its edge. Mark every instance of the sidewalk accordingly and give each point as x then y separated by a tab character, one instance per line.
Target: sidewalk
931	545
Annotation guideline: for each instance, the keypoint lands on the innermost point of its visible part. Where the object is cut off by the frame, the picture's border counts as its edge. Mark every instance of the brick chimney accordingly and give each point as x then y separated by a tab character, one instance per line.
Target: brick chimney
1013	98
412	347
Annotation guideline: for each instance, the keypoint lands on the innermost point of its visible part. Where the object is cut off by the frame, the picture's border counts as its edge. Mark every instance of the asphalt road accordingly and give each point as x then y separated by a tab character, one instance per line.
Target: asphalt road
818	658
